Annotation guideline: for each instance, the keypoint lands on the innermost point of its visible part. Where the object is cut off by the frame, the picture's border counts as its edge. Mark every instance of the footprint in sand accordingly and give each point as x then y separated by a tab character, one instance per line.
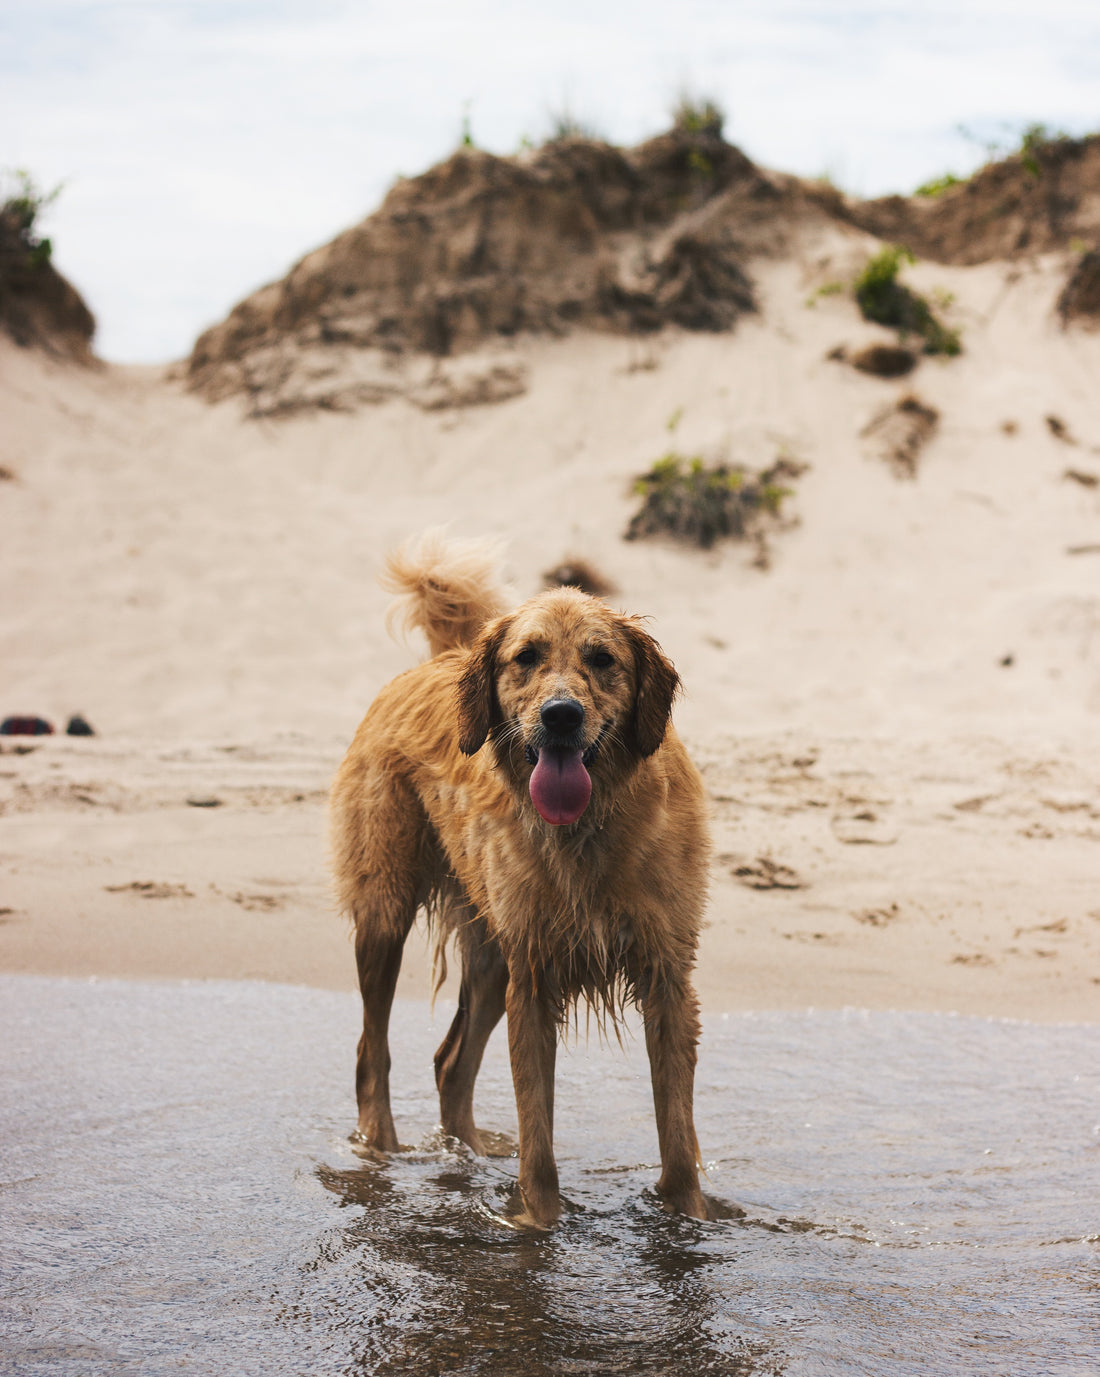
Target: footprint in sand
863	827
258	903
151	889
877	917
764	873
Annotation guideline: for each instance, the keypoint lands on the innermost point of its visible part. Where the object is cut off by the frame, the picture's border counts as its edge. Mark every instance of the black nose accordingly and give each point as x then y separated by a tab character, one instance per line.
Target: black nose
562	716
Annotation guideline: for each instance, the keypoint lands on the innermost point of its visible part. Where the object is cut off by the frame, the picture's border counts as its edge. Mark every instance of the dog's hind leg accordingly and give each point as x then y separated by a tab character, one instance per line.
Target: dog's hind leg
379	961
480	1008
384	868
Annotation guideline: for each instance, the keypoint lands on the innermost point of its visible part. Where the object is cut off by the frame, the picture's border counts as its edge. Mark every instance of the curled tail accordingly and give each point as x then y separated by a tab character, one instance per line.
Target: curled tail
448	589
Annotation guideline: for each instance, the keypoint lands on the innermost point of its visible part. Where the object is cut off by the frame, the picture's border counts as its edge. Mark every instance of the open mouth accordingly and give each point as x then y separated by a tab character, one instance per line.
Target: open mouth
560	785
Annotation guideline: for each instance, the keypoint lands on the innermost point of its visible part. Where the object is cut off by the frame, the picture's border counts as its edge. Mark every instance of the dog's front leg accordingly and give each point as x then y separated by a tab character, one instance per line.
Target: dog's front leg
671	1013
532	1046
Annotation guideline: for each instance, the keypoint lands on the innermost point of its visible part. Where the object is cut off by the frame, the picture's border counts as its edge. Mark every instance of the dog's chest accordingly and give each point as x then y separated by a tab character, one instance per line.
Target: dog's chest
579	903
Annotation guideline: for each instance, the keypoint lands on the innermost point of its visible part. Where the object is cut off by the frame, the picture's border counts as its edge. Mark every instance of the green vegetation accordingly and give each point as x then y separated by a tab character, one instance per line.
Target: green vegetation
1034	139
698	115
466	138
938	185
1027	142
684	498
826	289
702	120
564	124
886	301
21	211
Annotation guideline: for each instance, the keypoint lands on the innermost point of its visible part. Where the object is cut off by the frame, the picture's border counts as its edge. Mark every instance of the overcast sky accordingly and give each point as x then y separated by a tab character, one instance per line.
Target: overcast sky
205	145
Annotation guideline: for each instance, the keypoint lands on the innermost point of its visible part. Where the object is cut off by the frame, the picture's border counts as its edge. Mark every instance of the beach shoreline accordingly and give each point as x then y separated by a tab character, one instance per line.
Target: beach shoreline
894	700
846	873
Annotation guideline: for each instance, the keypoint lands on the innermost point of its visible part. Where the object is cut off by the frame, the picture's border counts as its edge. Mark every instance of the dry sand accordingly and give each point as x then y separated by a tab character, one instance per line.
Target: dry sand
898	720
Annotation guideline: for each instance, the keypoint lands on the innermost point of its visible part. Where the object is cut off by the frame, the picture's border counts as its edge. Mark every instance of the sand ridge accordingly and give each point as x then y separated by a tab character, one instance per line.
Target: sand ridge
897	720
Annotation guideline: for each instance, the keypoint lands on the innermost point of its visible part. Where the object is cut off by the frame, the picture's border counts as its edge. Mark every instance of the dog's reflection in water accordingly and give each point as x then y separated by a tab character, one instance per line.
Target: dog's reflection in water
434	1283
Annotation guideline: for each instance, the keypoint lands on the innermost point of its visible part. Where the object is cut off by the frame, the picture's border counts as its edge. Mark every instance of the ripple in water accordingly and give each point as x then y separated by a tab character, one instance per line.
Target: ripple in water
903	1194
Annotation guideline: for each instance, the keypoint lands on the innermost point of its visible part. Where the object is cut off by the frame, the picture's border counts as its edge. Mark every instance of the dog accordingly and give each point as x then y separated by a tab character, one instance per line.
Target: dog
526	789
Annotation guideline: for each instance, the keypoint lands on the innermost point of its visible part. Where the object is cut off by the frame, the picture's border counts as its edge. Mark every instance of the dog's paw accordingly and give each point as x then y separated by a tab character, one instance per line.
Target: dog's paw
365	1149
481	1142
696	1205
516	1213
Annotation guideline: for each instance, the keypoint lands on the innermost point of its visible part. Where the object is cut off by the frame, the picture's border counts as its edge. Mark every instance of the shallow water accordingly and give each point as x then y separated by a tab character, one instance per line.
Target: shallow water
178	1194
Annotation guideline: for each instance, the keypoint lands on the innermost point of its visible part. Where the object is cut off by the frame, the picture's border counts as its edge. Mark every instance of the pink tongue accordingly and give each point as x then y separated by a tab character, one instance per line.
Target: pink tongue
560	786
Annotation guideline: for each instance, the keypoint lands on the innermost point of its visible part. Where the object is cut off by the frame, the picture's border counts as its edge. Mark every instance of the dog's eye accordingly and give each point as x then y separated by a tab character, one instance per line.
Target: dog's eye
527	656
600	659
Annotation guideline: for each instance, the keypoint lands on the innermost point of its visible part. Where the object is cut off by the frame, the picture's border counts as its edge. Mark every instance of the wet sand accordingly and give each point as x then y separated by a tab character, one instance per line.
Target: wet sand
897	720
897	726
848	873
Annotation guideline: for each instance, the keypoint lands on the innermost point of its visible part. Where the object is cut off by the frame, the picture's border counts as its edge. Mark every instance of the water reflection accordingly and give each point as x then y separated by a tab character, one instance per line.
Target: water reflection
625	1290
920	1195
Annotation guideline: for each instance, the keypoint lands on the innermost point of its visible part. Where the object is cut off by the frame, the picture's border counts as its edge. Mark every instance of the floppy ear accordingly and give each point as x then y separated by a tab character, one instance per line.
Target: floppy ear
478	707
656	687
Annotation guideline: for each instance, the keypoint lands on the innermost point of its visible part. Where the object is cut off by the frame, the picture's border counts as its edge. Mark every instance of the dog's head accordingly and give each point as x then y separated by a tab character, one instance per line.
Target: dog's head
566	689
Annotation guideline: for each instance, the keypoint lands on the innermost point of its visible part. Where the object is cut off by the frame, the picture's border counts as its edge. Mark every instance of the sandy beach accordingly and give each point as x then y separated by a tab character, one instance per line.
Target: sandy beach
896	718
779	327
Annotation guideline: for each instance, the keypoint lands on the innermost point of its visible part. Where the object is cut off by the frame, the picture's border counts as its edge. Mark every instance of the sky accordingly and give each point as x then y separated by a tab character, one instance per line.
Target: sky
204	146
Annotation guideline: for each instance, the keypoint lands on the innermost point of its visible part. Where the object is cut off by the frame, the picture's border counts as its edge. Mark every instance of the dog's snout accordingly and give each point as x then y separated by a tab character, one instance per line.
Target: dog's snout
562	716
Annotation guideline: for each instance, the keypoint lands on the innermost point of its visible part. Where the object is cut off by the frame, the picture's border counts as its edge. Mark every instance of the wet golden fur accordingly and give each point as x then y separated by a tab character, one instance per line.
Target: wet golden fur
431	811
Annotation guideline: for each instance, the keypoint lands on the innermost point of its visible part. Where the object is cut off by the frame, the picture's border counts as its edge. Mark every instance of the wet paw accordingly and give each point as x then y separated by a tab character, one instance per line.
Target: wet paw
481	1142
364	1148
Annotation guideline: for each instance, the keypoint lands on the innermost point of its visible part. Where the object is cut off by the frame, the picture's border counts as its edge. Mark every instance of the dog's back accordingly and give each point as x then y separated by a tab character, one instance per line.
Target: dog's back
446	589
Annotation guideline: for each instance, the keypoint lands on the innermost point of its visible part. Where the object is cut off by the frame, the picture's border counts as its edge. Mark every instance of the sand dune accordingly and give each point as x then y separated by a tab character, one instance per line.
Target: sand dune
897	718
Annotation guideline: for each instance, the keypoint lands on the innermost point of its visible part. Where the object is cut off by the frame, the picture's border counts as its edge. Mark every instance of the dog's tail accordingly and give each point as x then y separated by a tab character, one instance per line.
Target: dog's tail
448	589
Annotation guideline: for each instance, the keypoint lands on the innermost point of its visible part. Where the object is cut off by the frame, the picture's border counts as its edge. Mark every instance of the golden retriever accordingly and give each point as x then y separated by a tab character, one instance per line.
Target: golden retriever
525	788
